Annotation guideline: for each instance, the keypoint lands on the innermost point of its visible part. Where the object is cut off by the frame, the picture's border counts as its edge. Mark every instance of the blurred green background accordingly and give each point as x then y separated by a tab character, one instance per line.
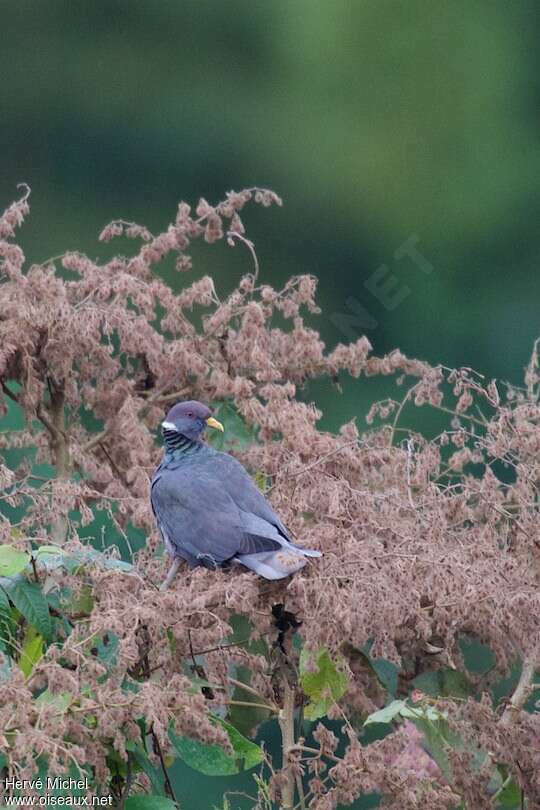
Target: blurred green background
387	127
382	124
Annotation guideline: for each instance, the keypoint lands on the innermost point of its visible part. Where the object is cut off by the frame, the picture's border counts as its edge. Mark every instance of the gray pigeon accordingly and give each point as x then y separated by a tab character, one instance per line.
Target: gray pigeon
208	509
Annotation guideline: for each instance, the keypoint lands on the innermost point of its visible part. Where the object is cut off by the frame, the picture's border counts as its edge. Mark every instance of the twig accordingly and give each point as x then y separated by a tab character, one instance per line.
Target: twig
128	783
523	688
317	751
318	461
168	787
286	724
410	451
232	235
300	789
251	705
9	393
251	690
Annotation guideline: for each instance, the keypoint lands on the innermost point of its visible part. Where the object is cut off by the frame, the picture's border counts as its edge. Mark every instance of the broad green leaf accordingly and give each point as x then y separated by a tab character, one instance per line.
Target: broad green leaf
245	718
48	550
241	635
5	607
444	682
324	686
509	796
213	760
9	620
140	757
12	560
145	801
61	701
29	600
53	557
387	714
421	713
31	652
237	434
387	673
106	649
81	602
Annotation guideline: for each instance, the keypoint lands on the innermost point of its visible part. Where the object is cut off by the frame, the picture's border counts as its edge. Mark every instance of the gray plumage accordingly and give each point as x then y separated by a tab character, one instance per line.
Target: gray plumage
208	509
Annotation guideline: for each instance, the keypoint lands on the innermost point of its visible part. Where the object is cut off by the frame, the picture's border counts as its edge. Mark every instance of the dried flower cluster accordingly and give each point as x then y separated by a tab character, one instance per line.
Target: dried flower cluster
425	541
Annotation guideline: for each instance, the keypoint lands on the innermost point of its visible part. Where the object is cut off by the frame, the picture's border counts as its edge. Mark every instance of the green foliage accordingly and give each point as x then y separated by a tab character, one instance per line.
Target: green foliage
29	600
32	650
324	686
54	557
509	796
212	760
237	435
444	682
12	561
142	762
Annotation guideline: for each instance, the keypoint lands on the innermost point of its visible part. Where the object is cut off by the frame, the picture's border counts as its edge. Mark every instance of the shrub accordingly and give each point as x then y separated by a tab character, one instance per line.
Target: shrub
430	545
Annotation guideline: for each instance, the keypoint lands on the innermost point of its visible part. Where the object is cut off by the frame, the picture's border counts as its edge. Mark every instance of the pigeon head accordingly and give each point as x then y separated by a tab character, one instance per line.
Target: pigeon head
189	419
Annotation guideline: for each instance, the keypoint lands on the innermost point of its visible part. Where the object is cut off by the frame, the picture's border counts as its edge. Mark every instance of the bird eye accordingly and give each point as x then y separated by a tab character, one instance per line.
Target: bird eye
190	413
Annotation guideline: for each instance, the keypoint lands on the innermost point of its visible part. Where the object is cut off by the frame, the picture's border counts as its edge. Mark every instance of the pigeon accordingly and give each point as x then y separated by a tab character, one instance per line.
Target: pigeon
207	508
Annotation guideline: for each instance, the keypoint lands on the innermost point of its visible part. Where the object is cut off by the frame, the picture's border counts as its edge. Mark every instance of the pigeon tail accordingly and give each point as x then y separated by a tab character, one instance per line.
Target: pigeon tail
273	564
307	552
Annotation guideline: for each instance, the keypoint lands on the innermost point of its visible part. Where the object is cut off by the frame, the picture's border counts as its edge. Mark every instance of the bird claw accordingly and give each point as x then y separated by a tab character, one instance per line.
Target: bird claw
207	561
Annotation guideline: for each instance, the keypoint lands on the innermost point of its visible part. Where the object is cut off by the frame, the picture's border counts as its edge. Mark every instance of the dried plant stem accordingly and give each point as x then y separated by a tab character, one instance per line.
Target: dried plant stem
286	724
56	426
523	688
518	699
169	790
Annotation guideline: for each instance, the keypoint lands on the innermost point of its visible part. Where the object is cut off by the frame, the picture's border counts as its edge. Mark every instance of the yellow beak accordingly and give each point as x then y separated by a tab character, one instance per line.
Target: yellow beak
213	423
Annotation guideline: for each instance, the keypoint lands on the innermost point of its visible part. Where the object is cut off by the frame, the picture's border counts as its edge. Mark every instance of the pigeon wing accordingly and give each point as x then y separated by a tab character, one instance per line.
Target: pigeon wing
237	482
200	519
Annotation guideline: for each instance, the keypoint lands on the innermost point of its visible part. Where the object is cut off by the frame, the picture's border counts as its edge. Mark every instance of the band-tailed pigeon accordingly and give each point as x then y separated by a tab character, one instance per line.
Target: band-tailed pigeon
208	509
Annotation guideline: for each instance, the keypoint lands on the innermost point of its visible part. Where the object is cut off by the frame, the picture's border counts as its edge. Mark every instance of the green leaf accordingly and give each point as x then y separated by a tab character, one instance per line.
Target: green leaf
437	739
12	561
47	550
387	714
53	557
106	650
237	434
444	682
145	801
324	686
29	600
140	757
212	760
5	607
61	701
9	622
81	602
245	718
31	652
386	672
509	796
421	713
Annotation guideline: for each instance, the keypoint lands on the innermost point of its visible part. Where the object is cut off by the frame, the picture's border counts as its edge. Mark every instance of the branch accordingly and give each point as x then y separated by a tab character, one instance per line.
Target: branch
286	724
168	787
9	393
523	688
